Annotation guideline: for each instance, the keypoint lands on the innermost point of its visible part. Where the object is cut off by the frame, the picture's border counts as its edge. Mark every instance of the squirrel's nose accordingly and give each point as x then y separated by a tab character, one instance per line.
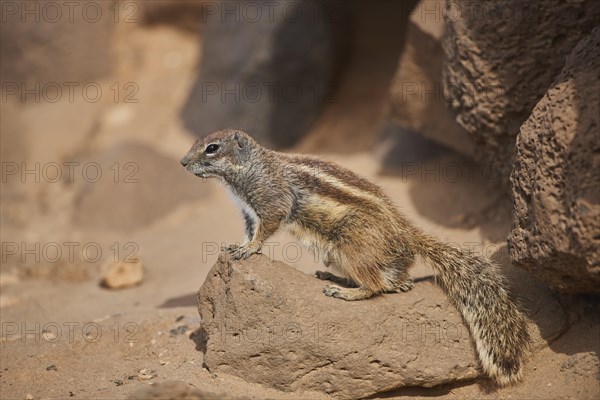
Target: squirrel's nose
185	161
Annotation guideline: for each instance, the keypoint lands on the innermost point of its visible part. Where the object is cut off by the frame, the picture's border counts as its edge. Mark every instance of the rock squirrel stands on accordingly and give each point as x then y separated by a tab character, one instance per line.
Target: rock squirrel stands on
360	234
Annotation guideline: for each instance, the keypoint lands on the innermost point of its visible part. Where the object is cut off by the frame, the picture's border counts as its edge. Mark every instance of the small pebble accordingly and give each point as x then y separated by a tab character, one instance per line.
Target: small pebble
118	382
180	330
48	336
146	374
51	368
29	397
122	275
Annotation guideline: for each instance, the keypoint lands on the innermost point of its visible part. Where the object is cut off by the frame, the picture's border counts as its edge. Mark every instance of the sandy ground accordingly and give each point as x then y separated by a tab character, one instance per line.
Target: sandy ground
99	340
63	335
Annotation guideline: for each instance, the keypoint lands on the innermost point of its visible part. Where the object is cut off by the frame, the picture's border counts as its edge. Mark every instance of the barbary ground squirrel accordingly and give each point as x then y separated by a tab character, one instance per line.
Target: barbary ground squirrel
359	233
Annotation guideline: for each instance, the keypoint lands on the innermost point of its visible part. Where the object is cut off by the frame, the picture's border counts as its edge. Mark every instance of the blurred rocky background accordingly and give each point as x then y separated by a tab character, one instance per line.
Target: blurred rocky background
480	119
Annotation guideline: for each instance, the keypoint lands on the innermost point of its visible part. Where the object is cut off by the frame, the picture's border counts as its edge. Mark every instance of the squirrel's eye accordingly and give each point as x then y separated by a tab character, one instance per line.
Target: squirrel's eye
211	148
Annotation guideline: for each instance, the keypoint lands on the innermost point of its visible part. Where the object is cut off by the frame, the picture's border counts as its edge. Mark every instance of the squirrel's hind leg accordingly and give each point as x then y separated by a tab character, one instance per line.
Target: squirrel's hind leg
405	285
404	282
328	276
350	294
397	276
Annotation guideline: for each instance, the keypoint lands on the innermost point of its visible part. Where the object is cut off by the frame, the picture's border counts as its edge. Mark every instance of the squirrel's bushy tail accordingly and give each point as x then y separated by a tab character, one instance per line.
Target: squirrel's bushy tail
478	289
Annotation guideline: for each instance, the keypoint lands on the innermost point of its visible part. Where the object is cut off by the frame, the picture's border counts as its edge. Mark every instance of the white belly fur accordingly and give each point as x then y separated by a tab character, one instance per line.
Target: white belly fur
244	208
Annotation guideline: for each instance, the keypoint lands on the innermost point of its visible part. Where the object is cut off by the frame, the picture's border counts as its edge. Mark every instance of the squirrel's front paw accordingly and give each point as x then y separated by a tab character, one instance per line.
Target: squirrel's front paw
231	248
324	275
242	252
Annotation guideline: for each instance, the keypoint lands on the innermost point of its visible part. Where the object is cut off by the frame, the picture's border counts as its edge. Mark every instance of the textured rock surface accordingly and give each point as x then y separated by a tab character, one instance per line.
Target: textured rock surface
269	323
266	68
501	57
556	178
417	97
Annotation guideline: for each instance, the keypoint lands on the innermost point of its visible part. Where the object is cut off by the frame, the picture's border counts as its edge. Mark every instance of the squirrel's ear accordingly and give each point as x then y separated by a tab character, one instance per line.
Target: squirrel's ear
239	139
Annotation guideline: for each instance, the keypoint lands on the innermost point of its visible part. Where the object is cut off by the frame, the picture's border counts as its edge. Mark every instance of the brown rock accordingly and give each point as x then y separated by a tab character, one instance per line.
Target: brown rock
501	57
271	324
417	97
556	179
123	274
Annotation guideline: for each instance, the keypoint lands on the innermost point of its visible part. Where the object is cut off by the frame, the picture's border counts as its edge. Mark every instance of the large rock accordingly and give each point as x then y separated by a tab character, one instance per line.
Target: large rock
501	57
266	68
417	96
269	323
556	178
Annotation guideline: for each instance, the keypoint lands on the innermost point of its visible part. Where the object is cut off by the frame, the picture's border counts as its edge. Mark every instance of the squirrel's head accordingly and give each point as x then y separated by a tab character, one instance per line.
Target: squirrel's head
218	153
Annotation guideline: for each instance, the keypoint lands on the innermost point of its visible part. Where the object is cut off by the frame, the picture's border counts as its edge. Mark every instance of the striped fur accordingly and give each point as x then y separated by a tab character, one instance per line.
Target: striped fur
362	236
